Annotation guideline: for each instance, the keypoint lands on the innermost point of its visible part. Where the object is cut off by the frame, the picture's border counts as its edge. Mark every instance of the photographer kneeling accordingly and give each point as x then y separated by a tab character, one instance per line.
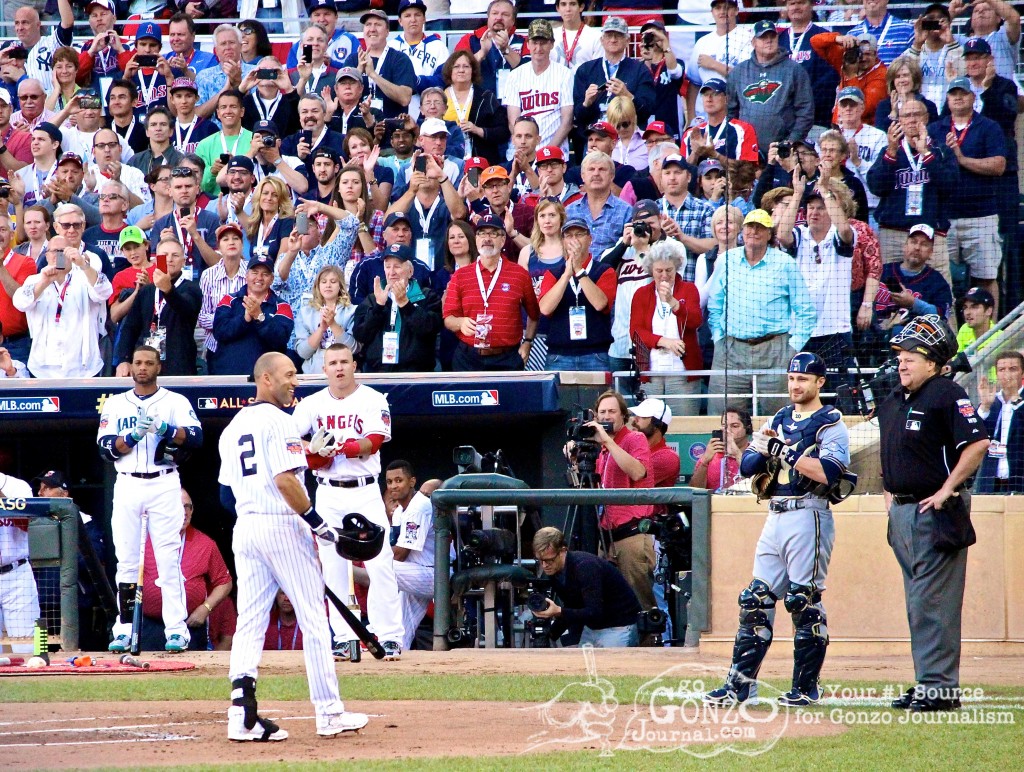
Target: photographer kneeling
597	601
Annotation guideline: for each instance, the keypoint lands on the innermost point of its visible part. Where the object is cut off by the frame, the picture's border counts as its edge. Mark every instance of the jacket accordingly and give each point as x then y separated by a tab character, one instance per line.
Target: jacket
241	343
872	82
178	317
632	72
775	98
989	471
417	333
688	319
889	178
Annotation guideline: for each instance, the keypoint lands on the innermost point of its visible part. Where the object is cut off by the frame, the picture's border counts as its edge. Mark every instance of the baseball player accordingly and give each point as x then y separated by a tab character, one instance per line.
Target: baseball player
262	463
799	459
413	517
19	600
349	422
146	432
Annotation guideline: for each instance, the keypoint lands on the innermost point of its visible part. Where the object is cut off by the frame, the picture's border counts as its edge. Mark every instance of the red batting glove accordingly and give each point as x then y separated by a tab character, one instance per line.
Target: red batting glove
350	449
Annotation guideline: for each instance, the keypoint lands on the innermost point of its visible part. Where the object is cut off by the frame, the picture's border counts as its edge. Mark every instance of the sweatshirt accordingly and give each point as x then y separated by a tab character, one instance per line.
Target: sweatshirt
775	98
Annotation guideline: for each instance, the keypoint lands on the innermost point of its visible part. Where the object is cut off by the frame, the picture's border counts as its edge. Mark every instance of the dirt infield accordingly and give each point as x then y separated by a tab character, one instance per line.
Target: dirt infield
582	716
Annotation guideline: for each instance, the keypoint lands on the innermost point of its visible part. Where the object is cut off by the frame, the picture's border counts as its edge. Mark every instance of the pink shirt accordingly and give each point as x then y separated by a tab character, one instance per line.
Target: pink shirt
612	476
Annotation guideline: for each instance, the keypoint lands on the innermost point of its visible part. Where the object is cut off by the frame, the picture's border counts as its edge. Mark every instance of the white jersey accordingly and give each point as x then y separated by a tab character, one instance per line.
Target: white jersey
131	178
261	442
122	411
540	97
583	49
871	144
729	49
80	142
416	530
13	530
363	412
39	63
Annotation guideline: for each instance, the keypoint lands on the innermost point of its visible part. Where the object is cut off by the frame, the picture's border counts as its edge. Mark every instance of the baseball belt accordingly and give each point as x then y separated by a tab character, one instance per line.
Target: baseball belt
11	566
148	475
789	505
358	482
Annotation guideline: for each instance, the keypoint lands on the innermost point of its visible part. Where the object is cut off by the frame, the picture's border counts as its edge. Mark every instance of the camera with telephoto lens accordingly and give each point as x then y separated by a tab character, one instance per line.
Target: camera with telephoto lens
649	40
784	149
586	449
654	621
495	545
642	230
674	535
537	601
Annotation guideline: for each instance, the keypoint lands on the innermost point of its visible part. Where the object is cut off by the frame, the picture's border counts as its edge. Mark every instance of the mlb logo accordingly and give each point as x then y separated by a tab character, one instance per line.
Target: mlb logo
505	286
207	403
385	417
913	426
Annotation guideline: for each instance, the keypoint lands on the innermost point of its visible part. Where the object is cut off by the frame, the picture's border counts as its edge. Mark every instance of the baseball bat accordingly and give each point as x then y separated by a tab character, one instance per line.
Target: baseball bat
4	661
136	644
355	654
128	659
368	638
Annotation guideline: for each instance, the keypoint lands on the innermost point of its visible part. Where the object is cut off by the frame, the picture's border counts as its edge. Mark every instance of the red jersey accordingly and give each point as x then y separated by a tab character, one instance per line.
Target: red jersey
20	267
512	291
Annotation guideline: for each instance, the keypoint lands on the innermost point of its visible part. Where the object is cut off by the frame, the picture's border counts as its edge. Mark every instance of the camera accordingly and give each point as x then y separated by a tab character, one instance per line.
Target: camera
577	431
5	190
269	140
266	73
931	25
537	601
851	55
649	40
642	230
495	543
654	621
784	149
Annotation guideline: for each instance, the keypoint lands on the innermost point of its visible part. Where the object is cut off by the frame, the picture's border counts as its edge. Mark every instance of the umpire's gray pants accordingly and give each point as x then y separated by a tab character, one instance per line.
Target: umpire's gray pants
734	355
933	583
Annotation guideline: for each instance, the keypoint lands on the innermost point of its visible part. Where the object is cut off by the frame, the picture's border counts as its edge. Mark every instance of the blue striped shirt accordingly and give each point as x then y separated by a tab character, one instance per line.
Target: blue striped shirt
606	230
767	298
894	36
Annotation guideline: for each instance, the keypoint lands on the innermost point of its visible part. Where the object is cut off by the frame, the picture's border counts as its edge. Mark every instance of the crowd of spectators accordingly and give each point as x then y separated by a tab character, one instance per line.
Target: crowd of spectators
555	194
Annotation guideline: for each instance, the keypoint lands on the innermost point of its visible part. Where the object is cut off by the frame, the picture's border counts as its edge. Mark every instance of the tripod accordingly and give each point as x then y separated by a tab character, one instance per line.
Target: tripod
582	476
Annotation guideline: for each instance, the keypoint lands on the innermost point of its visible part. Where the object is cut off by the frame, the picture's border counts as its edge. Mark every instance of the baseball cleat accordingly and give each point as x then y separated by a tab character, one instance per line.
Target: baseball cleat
392	651
795	698
262	731
120	644
336	723
176	644
727	695
341	652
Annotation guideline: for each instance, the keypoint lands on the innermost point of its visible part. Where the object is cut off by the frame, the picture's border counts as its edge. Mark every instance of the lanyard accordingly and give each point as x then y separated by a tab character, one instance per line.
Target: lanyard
147	91
184	237
264	111
234	147
182	142
718	134
46	178
314	80
610	70
799	41
960	134
60	296
158	308
425	219
570	52
379	67
105	60
128	132
261	235
915	161
480	281
574	285
461	111
295	636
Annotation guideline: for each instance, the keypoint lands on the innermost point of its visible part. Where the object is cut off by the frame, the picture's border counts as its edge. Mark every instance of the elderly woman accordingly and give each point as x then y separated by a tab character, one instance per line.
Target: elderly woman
323	318
271	220
664	320
726	227
477	110
434	104
630	148
903	80
833	152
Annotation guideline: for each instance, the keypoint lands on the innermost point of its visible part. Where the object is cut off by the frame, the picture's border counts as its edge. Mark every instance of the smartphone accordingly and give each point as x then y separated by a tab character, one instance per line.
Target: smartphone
186	211
224	190
307	54
266	73
307	137
420	164
302	223
62	262
931	25
893	284
161	263
224	158
474	177
146	60
716	434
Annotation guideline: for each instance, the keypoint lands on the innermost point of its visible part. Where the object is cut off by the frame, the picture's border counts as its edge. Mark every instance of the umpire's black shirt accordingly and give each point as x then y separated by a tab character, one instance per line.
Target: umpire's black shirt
923	435
594	593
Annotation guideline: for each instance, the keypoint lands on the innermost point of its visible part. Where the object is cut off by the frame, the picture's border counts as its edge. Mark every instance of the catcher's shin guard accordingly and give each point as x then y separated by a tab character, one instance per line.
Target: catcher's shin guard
126	601
809	645
754	636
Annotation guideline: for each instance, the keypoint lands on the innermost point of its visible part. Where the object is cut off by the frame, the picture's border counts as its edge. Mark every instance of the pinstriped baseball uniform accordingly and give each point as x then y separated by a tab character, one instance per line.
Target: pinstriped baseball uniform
415	574
19	599
274	548
160	496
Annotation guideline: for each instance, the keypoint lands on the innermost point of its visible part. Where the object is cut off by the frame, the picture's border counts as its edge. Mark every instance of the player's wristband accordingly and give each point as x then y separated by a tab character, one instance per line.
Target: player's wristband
351	448
313	520
169	432
129	439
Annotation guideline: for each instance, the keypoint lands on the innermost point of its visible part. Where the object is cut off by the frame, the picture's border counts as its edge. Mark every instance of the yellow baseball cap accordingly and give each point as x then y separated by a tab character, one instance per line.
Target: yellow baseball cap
758	217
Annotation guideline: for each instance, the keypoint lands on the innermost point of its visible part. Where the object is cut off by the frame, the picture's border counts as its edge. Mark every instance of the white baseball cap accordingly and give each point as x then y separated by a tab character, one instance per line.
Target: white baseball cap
653	408
431	127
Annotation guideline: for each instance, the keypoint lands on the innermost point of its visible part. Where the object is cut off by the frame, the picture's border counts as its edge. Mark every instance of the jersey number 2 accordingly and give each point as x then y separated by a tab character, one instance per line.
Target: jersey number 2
248	465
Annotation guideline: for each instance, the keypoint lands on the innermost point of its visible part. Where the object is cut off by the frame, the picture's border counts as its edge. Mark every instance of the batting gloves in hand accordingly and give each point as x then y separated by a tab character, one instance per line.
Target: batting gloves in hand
320	528
323	443
162	428
142	426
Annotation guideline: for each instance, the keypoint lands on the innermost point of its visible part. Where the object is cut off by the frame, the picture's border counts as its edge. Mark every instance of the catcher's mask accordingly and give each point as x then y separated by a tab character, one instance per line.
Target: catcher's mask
358	538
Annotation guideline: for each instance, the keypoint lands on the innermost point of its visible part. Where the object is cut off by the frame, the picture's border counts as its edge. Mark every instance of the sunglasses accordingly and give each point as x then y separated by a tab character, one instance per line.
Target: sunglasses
182	171
110	196
72	226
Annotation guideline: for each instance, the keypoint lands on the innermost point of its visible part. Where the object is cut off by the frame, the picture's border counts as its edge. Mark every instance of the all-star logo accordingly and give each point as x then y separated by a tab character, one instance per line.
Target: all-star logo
762	91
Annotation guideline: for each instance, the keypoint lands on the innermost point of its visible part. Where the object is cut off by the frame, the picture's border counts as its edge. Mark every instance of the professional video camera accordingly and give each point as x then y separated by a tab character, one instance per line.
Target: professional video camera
586	449
867	391
675	536
469	461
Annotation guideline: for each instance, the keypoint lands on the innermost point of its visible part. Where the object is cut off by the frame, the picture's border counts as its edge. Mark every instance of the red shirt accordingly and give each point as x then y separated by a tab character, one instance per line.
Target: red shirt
20	267
125	279
732	472
223	620
512	292
607	282
665	469
19	144
612	476
282	637
201	565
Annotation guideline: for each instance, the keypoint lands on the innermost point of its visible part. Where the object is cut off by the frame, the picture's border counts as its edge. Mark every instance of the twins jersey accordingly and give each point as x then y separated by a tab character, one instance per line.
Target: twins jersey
416	530
261	442
540	97
14	530
122	411
360	414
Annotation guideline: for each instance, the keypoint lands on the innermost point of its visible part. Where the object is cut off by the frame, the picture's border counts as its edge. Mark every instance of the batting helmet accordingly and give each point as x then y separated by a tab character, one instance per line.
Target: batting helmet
806	362
358	538
928	335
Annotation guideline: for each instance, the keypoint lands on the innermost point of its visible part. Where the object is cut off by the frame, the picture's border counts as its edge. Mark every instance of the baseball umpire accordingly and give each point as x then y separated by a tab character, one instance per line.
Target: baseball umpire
932	443
147	432
799	459
262	464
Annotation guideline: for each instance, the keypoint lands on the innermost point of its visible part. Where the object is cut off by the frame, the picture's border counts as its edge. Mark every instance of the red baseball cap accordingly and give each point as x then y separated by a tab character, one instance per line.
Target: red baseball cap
602	127
550	153
476	162
657	127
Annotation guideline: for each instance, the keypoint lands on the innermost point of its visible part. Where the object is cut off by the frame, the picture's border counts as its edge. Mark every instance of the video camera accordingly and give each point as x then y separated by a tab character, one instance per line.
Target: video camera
587	449
866	392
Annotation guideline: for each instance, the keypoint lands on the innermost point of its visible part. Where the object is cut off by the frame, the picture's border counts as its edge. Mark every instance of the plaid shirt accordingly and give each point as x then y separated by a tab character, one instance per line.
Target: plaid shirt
693	217
606	230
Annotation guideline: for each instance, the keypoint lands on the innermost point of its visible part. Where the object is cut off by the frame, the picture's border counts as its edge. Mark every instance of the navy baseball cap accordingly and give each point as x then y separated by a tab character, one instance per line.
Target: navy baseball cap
149	30
401	252
326	152
266	127
396	217
977	46
53	131
980	296
575	222
765	27
715	84
262	261
52	479
645	208
490	221
405	4
806	362
241	162
312	5
674	159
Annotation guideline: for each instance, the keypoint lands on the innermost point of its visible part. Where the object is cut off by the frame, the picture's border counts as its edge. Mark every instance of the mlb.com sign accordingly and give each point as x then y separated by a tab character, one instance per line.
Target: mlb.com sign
30	405
466	398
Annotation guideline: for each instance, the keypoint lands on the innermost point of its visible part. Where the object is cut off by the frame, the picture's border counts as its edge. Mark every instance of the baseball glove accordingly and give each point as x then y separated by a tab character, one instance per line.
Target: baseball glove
323	443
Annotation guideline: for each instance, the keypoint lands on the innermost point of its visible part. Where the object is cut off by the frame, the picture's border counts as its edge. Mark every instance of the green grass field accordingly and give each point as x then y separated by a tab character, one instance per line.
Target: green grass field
859	747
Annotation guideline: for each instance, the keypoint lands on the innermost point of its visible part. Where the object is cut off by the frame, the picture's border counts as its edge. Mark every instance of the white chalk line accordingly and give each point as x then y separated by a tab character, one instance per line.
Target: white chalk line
168	738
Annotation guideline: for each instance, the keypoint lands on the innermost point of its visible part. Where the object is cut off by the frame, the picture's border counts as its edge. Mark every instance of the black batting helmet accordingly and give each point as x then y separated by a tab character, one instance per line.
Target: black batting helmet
358	538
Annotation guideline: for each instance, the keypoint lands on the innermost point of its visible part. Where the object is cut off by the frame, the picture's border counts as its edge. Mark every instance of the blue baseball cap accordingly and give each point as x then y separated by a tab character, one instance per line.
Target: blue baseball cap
575	222
961	83
395	217
405	4
266	127
328	4
261	261
850	92
977	46
241	162
401	252
149	30
490	221
764	27
715	84
807	362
